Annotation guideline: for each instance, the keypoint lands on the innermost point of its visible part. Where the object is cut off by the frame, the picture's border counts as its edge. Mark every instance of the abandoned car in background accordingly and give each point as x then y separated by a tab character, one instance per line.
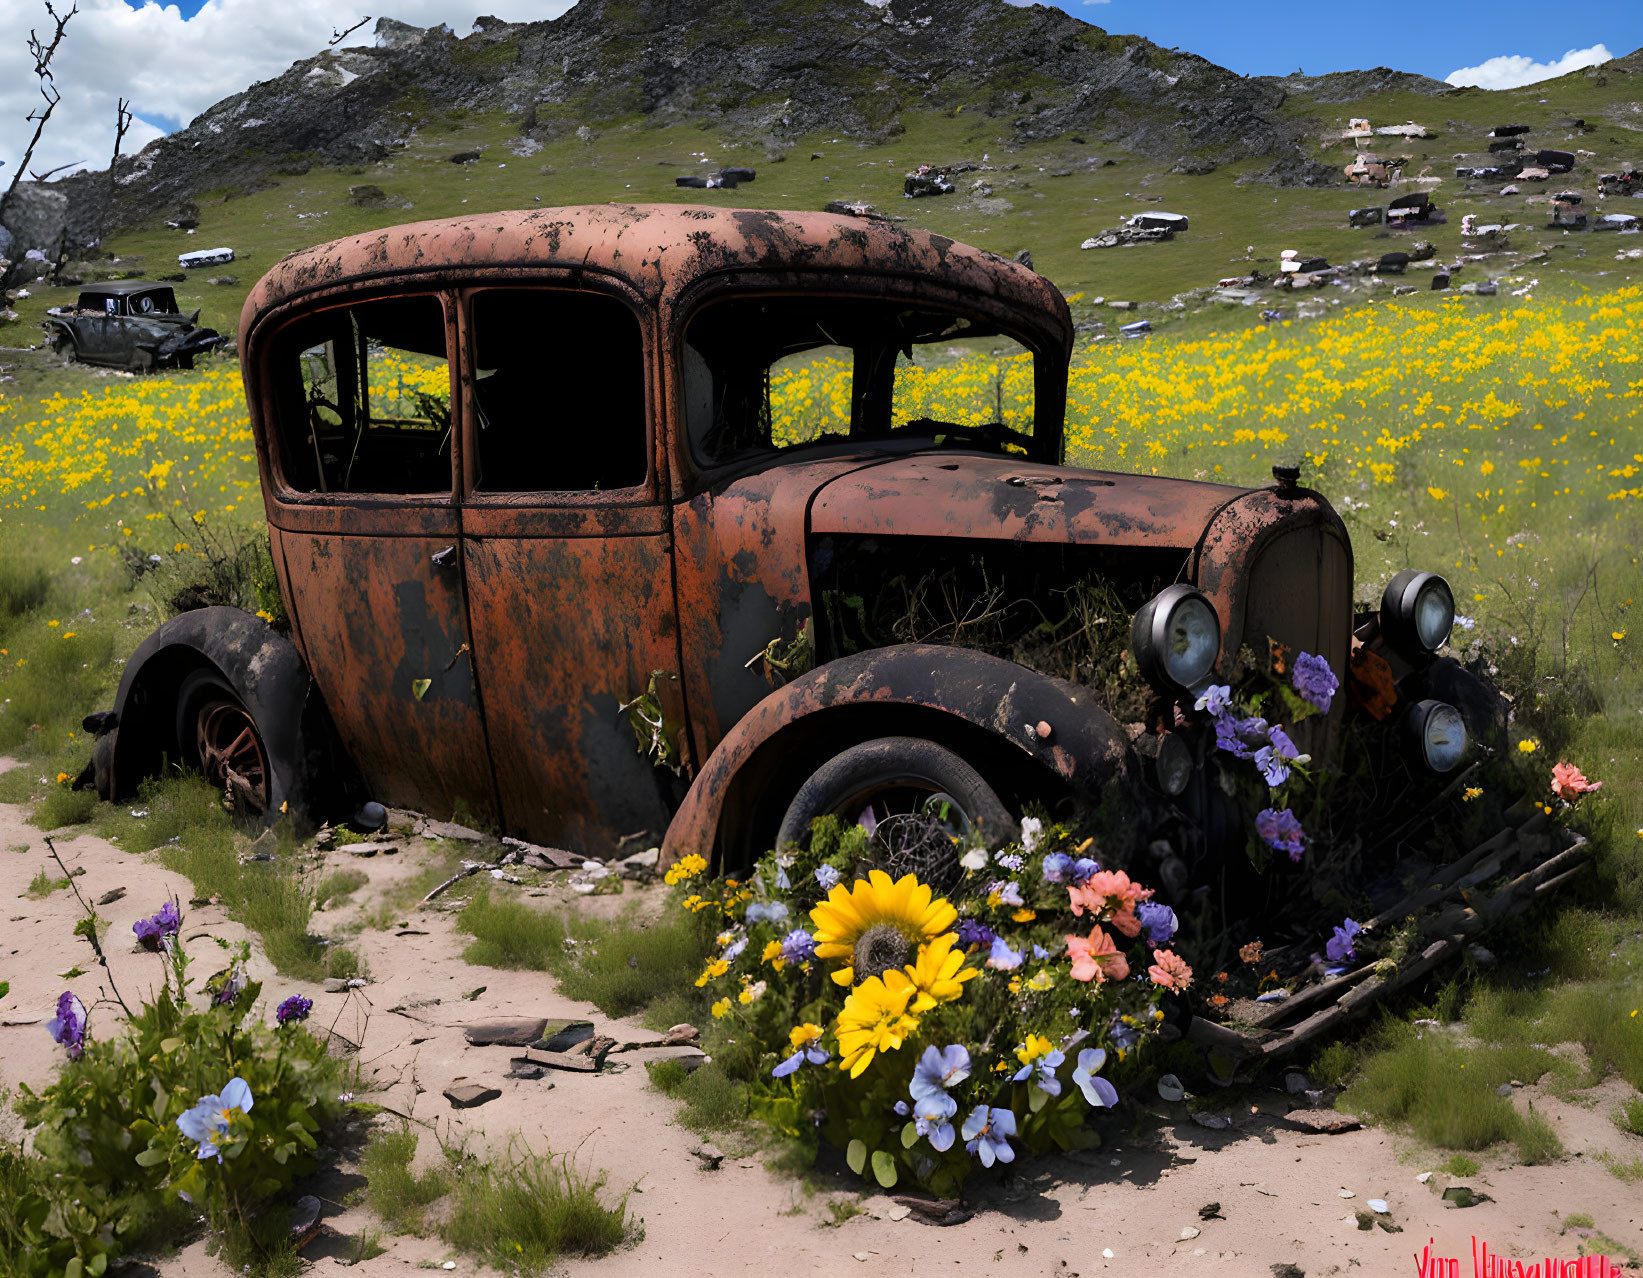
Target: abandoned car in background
130	324
613	523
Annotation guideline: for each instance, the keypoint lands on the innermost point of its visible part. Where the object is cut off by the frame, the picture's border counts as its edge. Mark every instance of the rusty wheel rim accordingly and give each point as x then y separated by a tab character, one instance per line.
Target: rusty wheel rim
232	755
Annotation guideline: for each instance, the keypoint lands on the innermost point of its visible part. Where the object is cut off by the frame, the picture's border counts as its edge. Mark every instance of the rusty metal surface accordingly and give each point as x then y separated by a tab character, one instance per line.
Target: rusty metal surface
965	494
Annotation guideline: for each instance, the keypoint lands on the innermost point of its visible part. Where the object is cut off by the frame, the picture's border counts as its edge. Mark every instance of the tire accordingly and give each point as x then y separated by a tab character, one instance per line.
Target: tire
217	734
903	780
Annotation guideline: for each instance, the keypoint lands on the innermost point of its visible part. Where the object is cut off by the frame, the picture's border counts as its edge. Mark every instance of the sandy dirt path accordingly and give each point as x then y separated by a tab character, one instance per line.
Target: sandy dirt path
1118	1209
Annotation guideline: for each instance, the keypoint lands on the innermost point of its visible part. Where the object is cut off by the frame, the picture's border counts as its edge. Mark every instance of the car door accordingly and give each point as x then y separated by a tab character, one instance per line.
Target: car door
568	564
361	510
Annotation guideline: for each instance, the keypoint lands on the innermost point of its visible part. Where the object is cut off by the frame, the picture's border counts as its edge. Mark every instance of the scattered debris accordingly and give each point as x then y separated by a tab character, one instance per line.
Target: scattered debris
471	1095
367	849
935	1211
1326	1122
1135	329
450	830
927	180
205	257
857	208
109	897
1464	1196
508	1033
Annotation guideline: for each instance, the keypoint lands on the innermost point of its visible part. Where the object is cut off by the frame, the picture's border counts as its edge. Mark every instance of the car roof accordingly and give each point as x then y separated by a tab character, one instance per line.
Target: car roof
661	250
124	286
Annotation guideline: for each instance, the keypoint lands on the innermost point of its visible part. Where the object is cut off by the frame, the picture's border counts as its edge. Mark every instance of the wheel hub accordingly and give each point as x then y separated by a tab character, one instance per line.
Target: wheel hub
232	756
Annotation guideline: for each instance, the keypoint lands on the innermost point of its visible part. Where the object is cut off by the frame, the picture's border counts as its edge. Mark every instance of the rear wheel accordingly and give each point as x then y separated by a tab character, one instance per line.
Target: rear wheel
921	802
216	733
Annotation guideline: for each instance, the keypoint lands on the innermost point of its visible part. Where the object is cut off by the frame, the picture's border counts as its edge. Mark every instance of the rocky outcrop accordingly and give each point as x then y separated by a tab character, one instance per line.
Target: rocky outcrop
35	221
760	69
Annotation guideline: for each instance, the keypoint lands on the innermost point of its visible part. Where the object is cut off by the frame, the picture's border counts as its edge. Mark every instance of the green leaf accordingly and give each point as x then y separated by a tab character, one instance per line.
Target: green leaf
99	1262
72	1269
170	1045
909	1135
1037	1097
884	1168
281	1153
5	988
419	687
73	972
856	1155
151	1157
161	1099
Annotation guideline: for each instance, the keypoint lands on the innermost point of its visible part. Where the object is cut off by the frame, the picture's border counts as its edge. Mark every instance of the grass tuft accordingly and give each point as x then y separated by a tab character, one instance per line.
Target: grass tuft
510	934
1462	1165
712	1100
1629	1117
398	1195
43	885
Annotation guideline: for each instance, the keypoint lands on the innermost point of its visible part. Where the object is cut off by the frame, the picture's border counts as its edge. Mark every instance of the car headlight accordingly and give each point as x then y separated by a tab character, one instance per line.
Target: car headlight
1176	638
1167	760
1417	612
1438	732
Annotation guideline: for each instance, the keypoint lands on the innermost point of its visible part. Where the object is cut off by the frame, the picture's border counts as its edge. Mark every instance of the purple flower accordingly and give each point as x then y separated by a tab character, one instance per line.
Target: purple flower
810	1050
1098	1091
1274	758
1240	737
930	1115
1008	893
232	986
1281	829
1158	921
986	1134
973	935
295	1008
1084	869
828	877
1044	1068
154	932
1217	699
1003	958
69	1026
937	1070
1339	948
798	946
1057	867
1123	1036
1011	861
1314	680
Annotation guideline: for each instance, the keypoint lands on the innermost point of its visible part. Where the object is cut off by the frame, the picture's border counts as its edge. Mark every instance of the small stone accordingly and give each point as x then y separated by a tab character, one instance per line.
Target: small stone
1044	731
1464	1196
899	1212
1214	1122
646	860
1169	1087
1106	1253
523	1067
1210	1211
1424	1177
366	849
1378	1206
506	1033
710	1155
1295	1082
859	1255
681	1036
1189	1232
108	898
562	1035
1347	1193
451	830
1326	1122
1286	1270
1505	1089
471	1095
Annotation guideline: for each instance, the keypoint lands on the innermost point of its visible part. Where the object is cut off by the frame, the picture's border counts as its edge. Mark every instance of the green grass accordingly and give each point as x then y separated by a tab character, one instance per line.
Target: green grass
620	967
335	888
43	885
1462	1165
521	1216
1629	1117
711	1102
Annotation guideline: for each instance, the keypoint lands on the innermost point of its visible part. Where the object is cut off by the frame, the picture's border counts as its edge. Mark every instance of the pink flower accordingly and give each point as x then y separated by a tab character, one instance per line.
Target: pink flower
1127	922
1569	783
1096	958
1169	970
1108	888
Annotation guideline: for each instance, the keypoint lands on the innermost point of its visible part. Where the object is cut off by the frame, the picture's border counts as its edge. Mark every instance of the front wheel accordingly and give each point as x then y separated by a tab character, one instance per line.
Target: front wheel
921	803
216	733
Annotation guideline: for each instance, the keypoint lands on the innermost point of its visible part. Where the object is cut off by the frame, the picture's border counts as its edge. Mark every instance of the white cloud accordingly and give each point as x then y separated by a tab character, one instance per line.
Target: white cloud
1512	71
172	69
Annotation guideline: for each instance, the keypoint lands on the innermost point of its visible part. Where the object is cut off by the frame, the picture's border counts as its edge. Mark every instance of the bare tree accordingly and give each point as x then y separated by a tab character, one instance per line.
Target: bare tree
338	36
122	122
42	54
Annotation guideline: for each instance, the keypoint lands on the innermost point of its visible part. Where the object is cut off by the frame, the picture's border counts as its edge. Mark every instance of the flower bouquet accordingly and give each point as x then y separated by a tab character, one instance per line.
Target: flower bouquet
924	1019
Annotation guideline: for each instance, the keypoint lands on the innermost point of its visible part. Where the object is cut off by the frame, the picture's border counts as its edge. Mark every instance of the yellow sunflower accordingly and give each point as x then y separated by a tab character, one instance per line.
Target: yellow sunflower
936	973
874	1019
874	925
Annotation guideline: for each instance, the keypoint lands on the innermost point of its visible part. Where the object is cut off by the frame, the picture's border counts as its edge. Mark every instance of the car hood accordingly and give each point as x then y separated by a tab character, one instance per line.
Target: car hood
962	494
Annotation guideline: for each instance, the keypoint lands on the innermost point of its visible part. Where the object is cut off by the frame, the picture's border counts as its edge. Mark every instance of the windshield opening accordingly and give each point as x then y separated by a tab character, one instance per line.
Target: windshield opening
763	375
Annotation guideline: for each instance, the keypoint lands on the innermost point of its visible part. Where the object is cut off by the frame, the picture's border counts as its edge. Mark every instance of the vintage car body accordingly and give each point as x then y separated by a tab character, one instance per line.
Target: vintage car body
132	324
475	646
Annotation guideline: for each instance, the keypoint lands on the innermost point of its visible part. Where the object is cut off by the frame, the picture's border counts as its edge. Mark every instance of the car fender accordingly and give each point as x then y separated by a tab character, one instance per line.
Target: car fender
308	770
955	696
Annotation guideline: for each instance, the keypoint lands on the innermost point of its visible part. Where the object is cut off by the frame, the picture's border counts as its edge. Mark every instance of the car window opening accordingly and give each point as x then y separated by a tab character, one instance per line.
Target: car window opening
369	407
764	375
559	392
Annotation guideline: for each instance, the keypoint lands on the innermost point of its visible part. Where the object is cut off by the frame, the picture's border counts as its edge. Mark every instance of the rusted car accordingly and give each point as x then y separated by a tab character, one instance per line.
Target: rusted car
611	524
131	324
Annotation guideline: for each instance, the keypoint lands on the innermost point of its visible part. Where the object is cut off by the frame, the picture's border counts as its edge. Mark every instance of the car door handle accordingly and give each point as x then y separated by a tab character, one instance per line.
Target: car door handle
443	558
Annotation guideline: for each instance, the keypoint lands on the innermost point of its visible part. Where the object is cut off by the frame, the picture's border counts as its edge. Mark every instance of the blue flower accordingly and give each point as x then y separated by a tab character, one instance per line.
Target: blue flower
798	946
930	1115
1314	680
1340	947
1098	1091
734	950
1085	869
1240	737
1274	758
1039	952
973	935
761	912
782	881
1123	1036
986	1134
828	877
1008	893
1057	868
211	1116
1158	921
1217	699
937	1070
68	1027
805	1050
1003	958
1011	861
295	1008
1044	1067
1281	829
